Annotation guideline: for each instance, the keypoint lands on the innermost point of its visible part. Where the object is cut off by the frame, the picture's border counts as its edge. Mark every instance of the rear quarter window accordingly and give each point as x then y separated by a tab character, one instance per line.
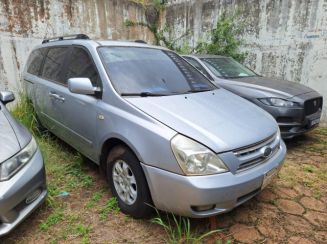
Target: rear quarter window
53	63
35	60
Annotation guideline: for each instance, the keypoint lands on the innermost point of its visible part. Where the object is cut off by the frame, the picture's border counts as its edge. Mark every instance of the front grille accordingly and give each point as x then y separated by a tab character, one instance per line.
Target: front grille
284	120
284	128
312	106
252	155
256	161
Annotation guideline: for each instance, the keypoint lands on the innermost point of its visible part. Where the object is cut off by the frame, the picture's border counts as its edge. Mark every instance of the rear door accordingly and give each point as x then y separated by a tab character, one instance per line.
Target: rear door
31	76
74	114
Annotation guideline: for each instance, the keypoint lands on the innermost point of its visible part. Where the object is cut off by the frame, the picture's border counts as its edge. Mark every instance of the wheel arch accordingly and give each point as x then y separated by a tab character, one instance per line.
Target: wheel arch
109	144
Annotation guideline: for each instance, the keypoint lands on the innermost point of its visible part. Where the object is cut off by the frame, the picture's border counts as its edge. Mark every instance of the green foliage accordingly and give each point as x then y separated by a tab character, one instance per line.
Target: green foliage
178	230
112	205
272	201
24	111
159	34
224	39
308	168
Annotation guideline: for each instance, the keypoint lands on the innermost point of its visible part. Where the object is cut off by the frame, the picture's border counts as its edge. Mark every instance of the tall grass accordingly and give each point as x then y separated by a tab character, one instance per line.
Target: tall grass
24	111
178	229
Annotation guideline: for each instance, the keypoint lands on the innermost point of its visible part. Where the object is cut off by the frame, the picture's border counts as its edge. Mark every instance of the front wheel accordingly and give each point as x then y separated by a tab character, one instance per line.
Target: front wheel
128	183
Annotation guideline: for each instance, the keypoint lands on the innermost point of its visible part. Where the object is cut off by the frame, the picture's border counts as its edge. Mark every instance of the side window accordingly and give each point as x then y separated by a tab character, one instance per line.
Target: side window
34	61
53	63
81	65
198	66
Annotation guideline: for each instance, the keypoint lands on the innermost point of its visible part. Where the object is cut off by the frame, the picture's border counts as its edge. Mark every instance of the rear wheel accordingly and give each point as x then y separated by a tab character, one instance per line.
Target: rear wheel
128	183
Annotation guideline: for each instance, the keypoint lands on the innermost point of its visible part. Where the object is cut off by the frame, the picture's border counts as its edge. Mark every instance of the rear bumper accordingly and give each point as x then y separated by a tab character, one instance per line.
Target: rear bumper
177	193
14	192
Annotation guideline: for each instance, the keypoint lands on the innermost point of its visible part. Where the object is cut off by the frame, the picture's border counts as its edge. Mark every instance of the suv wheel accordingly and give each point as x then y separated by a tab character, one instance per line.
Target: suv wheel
127	182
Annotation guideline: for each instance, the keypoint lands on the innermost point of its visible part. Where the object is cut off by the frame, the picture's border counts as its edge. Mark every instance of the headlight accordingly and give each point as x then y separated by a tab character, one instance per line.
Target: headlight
196	159
13	165
278	102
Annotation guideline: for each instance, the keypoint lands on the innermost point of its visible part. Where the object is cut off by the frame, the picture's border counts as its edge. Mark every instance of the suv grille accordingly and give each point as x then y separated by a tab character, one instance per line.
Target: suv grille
312	106
252	155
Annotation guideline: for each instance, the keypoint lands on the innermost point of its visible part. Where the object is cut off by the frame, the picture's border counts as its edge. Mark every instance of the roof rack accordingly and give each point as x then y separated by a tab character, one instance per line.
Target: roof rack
69	37
138	41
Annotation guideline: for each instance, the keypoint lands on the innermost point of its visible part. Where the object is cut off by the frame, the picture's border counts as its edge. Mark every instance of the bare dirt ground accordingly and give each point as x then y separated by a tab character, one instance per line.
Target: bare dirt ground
290	210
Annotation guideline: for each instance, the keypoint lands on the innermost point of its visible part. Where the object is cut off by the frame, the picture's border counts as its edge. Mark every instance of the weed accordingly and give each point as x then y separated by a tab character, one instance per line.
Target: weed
318	194
96	196
308	169
178	230
112	204
272	201
90	205
308	183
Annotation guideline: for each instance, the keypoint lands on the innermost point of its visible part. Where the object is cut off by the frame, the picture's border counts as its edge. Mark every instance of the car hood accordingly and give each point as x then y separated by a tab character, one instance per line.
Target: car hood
286	88
9	144
218	119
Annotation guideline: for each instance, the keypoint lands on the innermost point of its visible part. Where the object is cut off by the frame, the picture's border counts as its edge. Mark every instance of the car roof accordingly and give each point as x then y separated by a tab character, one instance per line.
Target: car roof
204	56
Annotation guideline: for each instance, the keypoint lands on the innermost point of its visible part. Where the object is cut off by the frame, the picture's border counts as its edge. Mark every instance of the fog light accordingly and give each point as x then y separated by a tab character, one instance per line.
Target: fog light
203	208
33	196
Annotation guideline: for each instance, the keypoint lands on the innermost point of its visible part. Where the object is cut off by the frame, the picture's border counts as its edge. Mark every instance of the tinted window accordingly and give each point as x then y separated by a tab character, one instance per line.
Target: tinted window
81	65
197	65
53	63
136	70
34	61
227	68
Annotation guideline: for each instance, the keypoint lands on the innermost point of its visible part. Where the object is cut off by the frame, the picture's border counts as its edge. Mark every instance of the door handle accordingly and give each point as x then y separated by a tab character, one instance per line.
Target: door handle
56	97
60	98
53	95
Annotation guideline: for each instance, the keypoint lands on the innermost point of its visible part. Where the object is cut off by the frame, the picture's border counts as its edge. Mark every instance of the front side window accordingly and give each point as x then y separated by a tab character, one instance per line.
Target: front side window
34	61
198	66
227	68
53	63
137	70
81	65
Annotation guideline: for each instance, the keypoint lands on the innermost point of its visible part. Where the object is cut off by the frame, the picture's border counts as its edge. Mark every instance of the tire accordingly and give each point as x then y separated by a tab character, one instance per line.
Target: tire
124	164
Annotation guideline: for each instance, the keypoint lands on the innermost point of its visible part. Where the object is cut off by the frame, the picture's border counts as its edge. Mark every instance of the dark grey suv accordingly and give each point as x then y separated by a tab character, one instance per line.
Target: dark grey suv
296	108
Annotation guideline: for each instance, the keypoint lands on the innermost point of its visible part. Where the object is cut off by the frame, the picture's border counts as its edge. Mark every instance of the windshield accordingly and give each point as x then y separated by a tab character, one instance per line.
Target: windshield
134	70
227	68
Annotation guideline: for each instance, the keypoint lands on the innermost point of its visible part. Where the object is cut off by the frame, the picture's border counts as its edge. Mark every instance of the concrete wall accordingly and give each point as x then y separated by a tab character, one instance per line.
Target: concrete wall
286	39
24	24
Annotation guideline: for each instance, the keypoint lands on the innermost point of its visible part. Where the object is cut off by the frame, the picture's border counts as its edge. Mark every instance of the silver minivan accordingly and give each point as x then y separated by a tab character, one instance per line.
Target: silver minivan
164	134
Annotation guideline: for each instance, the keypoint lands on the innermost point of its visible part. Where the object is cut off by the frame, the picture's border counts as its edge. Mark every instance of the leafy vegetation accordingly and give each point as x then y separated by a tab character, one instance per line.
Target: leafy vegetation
224	39
112	205
154	8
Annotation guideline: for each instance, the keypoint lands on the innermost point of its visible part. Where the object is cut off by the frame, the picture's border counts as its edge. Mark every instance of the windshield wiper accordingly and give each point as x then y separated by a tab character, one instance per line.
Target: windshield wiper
144	94
194	91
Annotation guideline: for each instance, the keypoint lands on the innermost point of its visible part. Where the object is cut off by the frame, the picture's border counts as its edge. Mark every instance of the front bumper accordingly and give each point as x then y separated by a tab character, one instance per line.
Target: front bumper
13	193
177	193
293	121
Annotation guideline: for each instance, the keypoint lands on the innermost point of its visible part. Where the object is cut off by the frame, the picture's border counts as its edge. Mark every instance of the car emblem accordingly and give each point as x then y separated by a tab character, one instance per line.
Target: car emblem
314	103
266	151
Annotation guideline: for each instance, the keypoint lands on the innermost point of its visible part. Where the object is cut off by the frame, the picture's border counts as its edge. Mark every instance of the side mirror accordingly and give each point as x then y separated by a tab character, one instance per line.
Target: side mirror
81	86
6	97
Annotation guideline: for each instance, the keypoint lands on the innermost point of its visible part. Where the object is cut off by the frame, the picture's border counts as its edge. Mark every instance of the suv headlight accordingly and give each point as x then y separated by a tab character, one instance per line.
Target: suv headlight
196	159
278	102
11	166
